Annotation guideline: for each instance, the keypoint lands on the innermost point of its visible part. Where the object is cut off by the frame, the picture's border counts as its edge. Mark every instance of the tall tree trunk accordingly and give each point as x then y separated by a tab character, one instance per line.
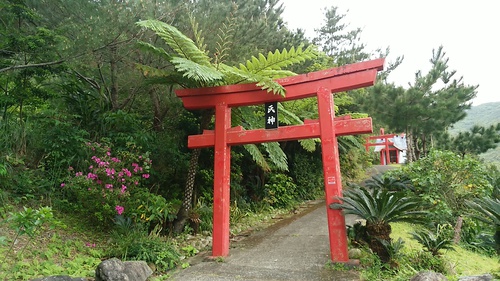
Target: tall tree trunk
183	213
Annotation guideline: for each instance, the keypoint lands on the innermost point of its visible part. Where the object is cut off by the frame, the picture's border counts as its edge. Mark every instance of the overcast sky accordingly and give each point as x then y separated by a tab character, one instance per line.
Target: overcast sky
468	31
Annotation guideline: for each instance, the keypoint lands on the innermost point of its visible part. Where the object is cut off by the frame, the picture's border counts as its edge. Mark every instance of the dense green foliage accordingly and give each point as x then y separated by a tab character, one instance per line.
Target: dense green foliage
91	126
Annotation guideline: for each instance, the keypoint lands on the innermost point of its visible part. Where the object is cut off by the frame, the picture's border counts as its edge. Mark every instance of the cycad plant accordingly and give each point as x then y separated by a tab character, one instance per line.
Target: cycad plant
192	67
434	242
380	207
488	211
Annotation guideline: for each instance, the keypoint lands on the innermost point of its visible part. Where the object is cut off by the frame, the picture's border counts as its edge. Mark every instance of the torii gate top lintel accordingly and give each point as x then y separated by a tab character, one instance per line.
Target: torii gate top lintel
338	79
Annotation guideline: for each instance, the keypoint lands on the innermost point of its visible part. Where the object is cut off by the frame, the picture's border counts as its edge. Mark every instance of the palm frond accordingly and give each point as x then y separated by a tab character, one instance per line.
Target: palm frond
180	43
380	206
487	210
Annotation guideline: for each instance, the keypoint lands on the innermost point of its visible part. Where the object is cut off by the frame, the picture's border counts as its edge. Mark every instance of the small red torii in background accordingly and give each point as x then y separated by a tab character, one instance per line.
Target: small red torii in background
320	84
387	141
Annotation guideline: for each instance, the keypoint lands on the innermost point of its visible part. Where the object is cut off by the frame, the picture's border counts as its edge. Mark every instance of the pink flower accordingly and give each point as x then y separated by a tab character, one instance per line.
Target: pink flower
119	209
108	186
108	153
146	176
78	174
124	188
63	184
116	160
127	172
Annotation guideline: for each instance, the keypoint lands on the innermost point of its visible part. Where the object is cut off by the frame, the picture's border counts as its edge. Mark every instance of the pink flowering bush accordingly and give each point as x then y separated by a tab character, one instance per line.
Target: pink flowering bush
107	187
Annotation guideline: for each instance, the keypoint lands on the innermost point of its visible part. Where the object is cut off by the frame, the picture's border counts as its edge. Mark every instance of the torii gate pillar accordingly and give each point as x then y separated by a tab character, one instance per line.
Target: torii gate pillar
320	84
332	177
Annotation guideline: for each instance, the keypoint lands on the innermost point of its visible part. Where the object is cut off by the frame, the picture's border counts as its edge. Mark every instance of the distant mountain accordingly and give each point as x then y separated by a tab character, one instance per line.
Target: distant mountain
484	115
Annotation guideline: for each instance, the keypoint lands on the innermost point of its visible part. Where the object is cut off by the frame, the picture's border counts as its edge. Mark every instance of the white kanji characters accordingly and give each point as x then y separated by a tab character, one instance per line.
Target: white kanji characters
270	109
271	120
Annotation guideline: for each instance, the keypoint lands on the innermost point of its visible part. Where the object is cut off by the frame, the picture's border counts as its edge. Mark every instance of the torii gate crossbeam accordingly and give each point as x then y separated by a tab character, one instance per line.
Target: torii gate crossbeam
320	84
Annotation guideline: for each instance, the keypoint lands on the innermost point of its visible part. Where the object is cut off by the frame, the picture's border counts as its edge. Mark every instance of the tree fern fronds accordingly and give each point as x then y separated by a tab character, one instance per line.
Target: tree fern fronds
224	39
180	43
192	70
154	50
276	155
346	143
199	39
234	75
287	117
309	144
149	71
257	156
275	74
278	60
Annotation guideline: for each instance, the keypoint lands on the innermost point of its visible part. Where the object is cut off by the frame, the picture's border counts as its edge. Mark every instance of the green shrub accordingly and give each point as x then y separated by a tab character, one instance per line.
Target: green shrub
446	180
280	191
106	188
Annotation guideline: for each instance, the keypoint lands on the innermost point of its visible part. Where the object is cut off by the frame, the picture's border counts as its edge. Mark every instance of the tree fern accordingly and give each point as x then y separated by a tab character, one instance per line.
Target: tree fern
206	74
160	52
277	156
257	156
180	43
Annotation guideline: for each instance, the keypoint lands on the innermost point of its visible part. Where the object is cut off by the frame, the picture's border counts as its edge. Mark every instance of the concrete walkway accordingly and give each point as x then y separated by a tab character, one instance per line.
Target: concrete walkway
292	249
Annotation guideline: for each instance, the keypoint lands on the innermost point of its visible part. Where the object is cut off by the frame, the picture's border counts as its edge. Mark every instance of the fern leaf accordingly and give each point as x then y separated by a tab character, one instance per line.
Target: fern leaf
154	50
180	43
149	71
234	75
190	69
279	60
309	144
288	117
257	156
276	155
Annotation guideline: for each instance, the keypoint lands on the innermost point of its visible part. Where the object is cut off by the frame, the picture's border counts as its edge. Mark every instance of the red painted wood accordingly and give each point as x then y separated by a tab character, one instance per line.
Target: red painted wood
332	178
293	91
376	64
320	84
222	169
385	158
295	132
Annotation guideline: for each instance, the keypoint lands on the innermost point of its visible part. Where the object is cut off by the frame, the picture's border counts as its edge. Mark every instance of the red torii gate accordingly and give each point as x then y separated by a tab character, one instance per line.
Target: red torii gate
320	84
385	156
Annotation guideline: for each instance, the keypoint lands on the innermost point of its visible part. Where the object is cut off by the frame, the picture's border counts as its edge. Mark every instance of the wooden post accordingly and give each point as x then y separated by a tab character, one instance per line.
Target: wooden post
332	179
222	171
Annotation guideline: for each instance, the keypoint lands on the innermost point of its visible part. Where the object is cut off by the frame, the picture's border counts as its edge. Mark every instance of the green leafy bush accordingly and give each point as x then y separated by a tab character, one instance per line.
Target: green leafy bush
280	191
445	181
105	189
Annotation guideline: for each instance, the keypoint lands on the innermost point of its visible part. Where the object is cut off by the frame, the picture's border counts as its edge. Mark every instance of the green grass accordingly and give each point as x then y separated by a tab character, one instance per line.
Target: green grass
461	261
